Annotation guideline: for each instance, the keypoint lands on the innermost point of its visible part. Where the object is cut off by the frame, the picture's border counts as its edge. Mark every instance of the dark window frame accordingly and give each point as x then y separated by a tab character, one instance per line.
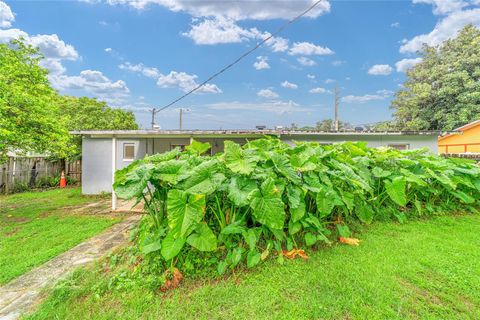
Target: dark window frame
125	145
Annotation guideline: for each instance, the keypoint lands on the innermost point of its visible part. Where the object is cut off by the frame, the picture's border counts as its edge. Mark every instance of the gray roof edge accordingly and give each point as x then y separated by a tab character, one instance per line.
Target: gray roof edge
250	132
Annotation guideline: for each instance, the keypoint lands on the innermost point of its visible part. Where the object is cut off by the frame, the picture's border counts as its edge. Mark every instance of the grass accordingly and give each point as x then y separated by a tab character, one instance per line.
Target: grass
37	226
424	269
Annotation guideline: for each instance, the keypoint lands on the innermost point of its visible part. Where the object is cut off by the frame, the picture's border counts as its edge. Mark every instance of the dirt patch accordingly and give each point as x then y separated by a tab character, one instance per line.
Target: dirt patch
12	232
421	293
17	219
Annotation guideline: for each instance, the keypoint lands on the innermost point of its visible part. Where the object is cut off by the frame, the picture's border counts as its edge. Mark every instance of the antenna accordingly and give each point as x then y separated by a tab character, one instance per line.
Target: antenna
337	94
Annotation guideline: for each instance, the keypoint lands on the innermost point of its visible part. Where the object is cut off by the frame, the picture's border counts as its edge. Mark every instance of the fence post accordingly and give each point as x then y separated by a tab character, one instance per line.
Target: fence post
5	180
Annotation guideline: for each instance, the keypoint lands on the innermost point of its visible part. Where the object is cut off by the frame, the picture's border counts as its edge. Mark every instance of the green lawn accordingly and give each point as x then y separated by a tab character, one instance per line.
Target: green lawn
427	269
36	226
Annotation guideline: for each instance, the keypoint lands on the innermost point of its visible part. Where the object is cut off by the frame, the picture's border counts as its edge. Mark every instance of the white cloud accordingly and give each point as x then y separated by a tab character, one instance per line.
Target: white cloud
441	7
329	81
236	10
54	48
319	90
395	25
261	63
405	64
380	70
338	63
10	34
267	93
221	30
289	85
279	107
141	68
277	44
108	49
174	79
217	30
380	95
54	66
6	15
308	49
310	76
93	82
447	28
185	82
304	61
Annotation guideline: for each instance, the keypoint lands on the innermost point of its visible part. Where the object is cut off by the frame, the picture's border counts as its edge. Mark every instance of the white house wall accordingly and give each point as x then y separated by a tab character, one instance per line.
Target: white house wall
96	165
414	141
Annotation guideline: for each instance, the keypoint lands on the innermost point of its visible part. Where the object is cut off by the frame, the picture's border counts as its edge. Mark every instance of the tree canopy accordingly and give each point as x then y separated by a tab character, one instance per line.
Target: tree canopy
90	114
443	91
29	114
34	117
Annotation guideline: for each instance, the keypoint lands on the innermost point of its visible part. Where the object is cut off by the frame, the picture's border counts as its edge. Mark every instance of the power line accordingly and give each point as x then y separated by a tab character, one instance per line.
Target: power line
279	30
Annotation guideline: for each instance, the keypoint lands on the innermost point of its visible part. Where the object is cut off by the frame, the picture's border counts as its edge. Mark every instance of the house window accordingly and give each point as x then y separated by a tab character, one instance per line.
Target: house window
400	146
128	151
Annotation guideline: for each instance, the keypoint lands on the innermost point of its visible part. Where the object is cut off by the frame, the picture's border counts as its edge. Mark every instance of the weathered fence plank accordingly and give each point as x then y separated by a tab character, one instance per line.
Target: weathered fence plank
22	172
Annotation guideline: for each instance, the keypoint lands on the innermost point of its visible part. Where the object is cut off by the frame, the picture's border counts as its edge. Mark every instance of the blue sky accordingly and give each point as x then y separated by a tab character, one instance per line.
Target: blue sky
143	54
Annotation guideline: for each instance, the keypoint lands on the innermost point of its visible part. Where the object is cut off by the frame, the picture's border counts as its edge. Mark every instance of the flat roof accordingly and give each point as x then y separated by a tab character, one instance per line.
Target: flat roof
244	133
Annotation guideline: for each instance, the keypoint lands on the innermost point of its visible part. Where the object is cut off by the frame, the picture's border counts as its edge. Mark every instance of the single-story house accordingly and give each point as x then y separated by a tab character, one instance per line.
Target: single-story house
465	139
104	152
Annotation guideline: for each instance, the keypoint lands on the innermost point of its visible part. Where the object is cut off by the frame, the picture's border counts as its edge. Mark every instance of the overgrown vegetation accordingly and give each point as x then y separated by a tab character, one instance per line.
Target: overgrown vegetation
269	199
423	269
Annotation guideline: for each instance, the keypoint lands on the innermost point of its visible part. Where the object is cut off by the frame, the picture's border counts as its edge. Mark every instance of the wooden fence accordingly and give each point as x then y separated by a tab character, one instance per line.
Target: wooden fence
25	172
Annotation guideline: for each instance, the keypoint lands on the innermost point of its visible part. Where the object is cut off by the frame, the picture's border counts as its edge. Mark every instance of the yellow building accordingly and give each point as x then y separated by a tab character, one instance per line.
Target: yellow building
466	142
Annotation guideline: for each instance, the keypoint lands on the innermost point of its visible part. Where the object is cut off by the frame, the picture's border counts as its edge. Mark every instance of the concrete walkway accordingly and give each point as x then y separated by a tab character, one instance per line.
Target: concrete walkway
22	294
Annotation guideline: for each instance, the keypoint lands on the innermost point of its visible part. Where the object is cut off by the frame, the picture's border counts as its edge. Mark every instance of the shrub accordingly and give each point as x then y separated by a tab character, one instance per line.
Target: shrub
267	197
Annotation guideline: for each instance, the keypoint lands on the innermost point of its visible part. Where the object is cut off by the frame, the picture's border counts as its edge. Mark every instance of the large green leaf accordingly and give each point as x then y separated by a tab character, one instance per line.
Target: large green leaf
380	173
198	148
326	200
203	238
171	246
204	178
253	258
364	213
463	196
236	160
282	164
171	171
239	190
396	190
442	178
414	178
184	211
296	202
349	175
131	181
267	205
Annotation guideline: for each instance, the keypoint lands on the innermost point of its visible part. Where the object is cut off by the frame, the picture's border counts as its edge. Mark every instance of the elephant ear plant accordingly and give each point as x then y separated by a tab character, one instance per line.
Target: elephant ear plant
267	198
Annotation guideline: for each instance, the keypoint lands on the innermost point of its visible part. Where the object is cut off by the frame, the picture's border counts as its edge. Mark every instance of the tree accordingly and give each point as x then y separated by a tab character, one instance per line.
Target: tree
90	114
329	125
443	91
29	114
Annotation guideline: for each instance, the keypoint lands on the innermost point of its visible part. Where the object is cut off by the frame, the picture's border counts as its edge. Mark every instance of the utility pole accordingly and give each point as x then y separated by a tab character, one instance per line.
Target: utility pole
337	94
153	117
181	113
